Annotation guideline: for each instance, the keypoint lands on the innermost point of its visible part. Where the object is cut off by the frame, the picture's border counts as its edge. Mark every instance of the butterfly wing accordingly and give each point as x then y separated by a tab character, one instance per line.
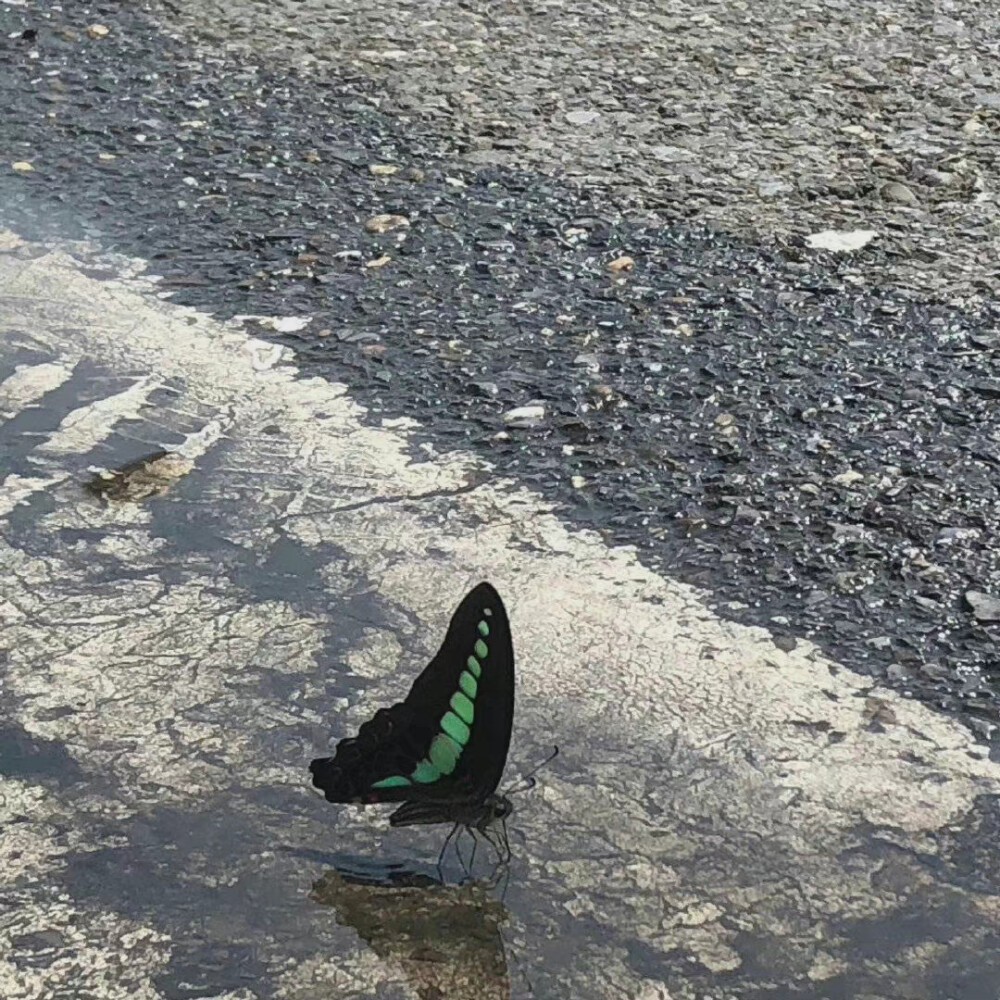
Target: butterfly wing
445	745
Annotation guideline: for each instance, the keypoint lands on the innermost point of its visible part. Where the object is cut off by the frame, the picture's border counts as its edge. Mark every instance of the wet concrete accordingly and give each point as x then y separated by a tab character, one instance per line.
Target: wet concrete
725	819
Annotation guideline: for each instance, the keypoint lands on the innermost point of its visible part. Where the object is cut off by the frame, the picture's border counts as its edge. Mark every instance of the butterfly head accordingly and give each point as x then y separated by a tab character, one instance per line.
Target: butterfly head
502	807
495	810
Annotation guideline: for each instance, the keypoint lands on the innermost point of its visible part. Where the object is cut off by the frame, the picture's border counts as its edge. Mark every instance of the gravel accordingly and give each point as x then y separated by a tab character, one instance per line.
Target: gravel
809	434
755	117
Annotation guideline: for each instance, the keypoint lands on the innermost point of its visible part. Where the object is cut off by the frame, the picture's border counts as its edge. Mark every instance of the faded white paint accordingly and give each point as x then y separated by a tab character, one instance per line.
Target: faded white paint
29	383
699	795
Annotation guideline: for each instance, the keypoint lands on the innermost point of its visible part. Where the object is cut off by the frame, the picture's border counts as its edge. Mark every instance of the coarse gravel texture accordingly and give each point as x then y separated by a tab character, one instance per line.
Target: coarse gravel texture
815	447
756	117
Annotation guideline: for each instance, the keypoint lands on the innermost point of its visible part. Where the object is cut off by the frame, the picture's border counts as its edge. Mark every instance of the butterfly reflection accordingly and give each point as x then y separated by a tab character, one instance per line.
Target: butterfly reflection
445	938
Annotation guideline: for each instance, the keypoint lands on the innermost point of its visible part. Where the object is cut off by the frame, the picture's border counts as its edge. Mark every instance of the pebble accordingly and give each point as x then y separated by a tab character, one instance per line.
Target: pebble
524	416
985	607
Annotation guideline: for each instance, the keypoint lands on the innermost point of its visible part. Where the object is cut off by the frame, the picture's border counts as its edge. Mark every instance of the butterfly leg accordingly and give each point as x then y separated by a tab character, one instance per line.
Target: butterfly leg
505	840
444	848
475	847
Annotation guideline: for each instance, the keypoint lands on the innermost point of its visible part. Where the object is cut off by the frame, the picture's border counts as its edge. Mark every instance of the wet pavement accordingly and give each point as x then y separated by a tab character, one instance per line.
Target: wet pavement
757	794
726	819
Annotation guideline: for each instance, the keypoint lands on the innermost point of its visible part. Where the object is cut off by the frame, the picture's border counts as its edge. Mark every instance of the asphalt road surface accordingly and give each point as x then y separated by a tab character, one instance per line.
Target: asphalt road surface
737	811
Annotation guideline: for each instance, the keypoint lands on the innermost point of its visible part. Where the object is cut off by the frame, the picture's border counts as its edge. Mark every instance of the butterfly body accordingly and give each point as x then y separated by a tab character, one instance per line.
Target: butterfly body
439	753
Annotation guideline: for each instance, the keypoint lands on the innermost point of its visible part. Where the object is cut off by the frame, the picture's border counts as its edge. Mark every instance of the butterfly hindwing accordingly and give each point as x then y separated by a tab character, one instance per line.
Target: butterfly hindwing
446	743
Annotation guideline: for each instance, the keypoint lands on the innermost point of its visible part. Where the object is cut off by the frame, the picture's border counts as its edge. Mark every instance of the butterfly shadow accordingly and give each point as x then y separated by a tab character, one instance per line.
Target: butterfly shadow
446	938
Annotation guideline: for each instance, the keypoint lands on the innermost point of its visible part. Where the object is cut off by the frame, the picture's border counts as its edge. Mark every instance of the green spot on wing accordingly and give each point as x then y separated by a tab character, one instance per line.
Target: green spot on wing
474	668
463	708
468	683
396	781
444	753
425	772
484	629
455	728
481	649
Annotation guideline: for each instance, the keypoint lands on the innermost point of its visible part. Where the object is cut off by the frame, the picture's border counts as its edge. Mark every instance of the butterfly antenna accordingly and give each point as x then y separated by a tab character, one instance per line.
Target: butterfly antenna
527	781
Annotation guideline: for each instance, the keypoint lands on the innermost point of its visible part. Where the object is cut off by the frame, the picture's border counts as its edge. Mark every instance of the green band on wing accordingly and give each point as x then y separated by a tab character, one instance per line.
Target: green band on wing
425	772
484	629
463	707
396	781
481	649
455	728
473	665
444	753
468	683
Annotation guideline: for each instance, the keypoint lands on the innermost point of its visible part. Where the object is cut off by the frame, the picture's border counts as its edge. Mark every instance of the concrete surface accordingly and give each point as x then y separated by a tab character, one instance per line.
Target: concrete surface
725	819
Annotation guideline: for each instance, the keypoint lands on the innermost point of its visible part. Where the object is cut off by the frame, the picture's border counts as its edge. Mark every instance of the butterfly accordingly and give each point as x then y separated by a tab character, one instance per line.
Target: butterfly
441	751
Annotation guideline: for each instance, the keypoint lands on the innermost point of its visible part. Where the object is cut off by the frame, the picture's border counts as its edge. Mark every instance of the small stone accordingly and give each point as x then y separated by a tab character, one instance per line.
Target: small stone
146	477
860	131
848	478
840	241
934	670
578	482
524	416
284	324
985	607
386	223
379	261
949	536
98	30
582	117
898	193
619	264
601	391
22	166
987	340
989	388
773	188
878	710
861	76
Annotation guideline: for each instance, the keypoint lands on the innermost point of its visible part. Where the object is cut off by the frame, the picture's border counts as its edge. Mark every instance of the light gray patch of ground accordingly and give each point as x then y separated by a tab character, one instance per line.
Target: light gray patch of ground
725	819
767	118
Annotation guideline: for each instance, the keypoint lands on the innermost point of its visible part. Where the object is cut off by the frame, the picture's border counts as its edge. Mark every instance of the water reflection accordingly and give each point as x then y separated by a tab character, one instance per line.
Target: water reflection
446	938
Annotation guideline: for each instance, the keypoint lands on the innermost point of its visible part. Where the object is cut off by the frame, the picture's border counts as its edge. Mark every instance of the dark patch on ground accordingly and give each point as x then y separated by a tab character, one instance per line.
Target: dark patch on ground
20	435
709	402
35	759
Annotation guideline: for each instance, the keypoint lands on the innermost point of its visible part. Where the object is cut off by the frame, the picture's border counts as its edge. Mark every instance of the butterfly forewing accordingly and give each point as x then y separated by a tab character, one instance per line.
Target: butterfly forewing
447	742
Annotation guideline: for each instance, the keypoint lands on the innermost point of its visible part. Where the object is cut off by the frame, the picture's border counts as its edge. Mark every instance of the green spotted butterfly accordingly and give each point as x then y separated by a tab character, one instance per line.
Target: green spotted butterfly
441	751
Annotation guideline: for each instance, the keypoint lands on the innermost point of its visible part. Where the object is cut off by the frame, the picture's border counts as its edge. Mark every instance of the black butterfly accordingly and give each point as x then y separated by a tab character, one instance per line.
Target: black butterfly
440	752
